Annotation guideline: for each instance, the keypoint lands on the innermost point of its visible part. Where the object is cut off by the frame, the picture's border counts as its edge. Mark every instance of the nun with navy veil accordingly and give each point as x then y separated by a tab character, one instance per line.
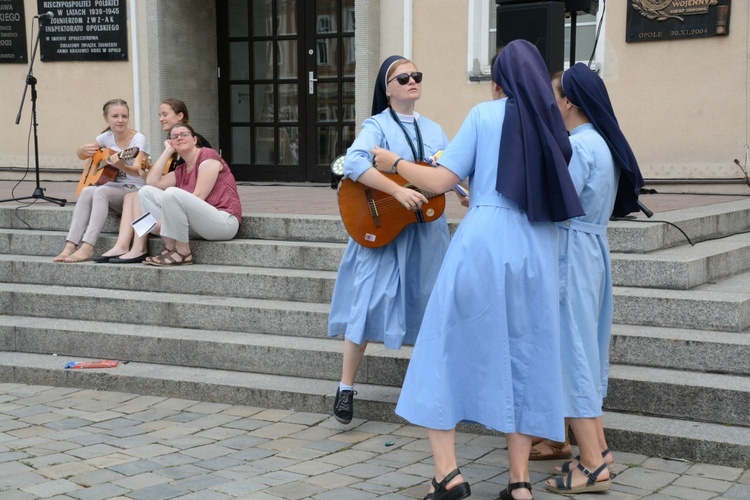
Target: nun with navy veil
607	179
488	351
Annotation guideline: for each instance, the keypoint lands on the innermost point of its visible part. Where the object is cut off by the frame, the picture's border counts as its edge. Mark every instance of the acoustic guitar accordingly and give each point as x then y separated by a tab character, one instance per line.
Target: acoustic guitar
98	172
373	218
168	166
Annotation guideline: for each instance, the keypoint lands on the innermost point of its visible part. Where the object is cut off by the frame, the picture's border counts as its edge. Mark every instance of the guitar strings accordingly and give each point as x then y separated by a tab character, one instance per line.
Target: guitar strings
392	203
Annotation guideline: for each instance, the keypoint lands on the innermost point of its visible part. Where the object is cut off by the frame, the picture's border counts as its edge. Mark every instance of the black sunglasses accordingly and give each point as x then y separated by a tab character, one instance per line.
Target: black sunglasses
403	78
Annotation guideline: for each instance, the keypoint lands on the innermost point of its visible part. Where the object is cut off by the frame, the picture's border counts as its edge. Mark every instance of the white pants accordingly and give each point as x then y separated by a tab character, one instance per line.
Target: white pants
92	207
183	215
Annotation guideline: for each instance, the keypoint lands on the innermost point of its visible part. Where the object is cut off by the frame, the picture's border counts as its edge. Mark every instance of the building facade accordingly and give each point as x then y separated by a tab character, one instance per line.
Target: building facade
280	86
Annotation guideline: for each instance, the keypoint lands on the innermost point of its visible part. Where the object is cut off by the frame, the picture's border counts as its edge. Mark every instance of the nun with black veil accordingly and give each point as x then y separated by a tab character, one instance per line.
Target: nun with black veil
489	348
381	293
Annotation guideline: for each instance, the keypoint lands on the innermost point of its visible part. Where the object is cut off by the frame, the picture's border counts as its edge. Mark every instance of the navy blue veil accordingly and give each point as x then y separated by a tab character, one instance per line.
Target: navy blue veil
380	97
532	167
586	90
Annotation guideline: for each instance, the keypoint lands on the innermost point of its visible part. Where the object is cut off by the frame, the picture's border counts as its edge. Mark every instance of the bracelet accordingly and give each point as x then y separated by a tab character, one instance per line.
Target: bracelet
395	165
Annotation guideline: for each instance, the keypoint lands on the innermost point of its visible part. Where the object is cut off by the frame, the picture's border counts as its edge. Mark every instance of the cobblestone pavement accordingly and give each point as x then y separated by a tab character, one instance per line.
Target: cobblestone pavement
86	444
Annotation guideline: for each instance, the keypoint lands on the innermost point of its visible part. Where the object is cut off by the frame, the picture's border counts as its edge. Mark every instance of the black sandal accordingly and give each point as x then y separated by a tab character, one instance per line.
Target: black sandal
456	493
506	494
563	484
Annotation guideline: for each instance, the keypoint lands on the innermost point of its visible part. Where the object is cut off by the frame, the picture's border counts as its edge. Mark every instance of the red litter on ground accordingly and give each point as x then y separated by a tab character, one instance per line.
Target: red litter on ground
105	363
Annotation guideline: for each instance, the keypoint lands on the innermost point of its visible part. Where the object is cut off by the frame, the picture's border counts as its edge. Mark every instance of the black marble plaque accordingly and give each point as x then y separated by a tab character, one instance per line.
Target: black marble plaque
12	32
84	30
650	20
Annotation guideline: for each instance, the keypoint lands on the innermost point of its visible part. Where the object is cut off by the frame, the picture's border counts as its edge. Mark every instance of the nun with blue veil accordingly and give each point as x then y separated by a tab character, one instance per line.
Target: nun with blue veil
489	351
607	179
381	293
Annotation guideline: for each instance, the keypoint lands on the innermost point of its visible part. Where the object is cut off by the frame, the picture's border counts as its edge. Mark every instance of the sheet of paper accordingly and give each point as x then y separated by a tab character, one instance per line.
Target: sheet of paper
144	224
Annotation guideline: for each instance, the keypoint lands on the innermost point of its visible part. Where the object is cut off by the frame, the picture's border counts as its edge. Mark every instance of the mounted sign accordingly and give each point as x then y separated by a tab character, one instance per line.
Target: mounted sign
650	20
12	32
84	30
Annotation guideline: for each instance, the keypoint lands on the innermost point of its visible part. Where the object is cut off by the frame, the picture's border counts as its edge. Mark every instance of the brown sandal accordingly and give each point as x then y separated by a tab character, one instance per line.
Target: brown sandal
168	259
161	254
557	450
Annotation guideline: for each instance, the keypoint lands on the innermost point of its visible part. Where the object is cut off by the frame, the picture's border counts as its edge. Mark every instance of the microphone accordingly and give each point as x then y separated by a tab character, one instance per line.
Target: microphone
49	14
645	210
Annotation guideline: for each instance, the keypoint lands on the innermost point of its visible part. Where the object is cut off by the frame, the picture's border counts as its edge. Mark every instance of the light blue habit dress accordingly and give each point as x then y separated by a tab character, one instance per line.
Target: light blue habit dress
381	293
489	347
585	276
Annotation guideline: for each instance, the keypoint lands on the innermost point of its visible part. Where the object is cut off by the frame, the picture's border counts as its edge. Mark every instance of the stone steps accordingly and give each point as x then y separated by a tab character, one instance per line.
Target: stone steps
675	228
679	394
247	324
708	307
712	306
157	309
668	229
681	349
281	284
316	256
684	267
679	268
676	393
262	352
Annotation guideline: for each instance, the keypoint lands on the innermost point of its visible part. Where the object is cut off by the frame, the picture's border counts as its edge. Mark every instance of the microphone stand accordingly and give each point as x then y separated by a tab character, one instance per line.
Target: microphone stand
31	80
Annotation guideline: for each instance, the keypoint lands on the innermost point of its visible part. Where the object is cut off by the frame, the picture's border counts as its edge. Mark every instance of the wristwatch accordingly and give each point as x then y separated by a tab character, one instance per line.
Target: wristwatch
395	165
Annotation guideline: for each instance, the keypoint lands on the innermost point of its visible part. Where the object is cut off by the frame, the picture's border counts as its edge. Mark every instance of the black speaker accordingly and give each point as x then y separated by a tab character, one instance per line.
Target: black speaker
582	6
579	6
541	23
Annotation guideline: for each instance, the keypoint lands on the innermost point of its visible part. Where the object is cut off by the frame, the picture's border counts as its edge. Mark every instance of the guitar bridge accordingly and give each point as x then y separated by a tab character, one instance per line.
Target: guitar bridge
373	208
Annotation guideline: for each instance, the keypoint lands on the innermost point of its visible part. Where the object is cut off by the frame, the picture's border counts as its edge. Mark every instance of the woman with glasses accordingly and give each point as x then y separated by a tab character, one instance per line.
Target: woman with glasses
199	199
129	247
93	204
380	293
489	347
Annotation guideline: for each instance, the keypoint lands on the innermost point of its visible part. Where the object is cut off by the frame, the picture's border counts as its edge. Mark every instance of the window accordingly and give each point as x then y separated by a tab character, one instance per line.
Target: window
482	38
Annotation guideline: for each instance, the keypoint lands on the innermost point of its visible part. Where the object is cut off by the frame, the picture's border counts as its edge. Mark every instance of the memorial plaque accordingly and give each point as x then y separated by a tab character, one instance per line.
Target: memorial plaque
650	20
12	32
84	30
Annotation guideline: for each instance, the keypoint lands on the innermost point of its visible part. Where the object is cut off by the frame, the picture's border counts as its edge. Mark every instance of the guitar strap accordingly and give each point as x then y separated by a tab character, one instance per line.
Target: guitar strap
418	156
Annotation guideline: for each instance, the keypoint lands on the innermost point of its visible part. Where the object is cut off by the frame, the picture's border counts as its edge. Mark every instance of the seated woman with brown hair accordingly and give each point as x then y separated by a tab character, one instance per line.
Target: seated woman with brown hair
199	199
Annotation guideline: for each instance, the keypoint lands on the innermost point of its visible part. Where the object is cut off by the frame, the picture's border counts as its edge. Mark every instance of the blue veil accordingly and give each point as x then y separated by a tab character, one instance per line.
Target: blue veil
532	167
585	90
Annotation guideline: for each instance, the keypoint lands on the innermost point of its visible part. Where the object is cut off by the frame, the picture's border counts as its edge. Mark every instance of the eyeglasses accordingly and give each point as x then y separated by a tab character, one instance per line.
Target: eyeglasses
403	78
181	134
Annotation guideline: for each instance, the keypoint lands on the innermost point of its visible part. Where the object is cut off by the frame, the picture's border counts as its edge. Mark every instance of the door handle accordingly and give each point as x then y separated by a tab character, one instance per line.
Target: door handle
310	81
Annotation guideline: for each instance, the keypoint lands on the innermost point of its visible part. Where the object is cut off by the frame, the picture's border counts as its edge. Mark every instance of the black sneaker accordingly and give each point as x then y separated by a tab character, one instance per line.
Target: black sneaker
343	406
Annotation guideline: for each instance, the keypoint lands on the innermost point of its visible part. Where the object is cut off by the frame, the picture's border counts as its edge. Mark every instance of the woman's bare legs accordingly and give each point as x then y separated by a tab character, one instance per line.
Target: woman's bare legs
353	354
443	445
608	458
140	244
69	248
82	253
519	446
587	436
